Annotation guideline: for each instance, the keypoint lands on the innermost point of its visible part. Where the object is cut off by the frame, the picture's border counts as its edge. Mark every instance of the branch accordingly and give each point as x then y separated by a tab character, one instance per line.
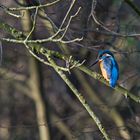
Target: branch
19	35
5	9
93	74
118	88
133	6
79	96
110	32
34	7
114	34
52	38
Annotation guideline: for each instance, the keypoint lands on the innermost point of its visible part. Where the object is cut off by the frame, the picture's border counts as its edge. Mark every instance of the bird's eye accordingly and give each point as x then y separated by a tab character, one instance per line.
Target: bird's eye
100	56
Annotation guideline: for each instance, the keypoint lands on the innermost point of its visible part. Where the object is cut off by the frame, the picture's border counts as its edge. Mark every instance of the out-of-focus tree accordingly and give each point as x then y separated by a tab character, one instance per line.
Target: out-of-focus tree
48	91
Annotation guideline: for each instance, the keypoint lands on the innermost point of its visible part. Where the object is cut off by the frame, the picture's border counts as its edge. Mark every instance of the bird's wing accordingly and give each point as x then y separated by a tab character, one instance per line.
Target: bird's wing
111	67
114	74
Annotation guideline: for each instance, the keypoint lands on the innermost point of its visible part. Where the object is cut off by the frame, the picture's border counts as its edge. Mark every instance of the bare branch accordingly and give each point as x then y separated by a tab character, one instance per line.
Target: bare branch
34	7
5	9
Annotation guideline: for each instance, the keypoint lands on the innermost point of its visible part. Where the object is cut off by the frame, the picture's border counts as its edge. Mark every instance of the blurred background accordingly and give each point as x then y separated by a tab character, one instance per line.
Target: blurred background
36	104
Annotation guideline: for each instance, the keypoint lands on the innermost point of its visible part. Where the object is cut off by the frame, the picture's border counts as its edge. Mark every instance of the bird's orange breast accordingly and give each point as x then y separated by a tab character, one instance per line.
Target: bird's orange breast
104	72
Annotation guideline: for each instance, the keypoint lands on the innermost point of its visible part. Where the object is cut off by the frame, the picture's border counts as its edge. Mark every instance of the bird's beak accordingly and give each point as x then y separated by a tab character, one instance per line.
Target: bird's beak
94	63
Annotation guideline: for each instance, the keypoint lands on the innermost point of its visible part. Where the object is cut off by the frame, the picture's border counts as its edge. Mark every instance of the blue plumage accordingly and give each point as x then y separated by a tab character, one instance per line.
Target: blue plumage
109	67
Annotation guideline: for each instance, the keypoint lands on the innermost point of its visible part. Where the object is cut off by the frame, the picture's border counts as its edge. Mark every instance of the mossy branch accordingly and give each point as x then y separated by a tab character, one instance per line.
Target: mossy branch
48	53
79	96
38	48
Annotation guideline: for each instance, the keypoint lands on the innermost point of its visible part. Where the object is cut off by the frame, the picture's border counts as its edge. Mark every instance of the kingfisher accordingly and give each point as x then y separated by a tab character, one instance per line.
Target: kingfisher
108	66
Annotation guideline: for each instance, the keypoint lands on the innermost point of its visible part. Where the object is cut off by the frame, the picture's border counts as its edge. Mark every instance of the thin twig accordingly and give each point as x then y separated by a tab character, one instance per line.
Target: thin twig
133	6
5	9
19	35
51	38
93	16
68	24
26	45
34	7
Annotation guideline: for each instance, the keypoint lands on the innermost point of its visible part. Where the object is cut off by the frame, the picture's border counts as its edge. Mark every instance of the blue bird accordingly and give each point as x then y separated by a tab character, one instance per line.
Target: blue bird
108	66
